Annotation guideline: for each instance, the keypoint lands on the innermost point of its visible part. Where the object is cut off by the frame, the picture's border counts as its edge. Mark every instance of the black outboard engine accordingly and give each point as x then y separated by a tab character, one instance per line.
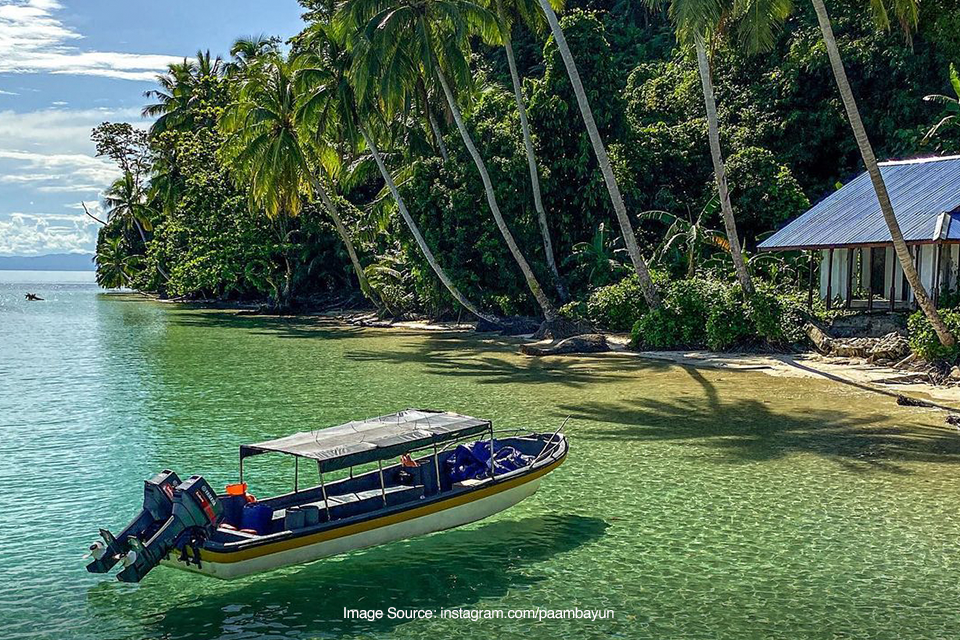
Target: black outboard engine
196	514
157	507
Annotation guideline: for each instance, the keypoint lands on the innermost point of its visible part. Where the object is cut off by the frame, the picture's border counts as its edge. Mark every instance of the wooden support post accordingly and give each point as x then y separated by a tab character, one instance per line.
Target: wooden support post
937	274
810	280
919	264
830	279
850	266
870	298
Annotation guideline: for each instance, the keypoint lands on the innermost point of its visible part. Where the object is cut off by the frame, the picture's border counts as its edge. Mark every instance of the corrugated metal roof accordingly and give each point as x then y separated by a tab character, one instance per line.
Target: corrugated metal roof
920	190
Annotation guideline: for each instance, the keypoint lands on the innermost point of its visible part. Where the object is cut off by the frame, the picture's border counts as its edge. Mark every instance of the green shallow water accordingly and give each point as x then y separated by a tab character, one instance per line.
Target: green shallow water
694	504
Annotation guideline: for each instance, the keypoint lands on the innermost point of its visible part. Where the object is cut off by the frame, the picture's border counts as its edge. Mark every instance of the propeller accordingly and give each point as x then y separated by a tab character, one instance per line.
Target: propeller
97	549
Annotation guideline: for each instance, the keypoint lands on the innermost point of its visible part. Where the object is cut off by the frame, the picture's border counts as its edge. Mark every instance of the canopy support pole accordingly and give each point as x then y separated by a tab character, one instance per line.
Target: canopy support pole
810	280
323	491
436	465
241	470
383	487
296	474
493	461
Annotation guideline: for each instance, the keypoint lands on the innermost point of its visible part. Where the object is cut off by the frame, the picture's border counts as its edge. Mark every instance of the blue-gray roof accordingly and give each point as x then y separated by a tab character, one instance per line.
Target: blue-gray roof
920	190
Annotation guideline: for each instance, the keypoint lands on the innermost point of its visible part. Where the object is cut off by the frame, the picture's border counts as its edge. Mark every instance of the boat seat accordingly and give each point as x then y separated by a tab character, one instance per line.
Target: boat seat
470	482
350	504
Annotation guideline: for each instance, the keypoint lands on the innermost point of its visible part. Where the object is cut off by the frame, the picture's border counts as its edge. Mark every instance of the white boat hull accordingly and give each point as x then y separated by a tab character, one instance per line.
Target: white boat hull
438	520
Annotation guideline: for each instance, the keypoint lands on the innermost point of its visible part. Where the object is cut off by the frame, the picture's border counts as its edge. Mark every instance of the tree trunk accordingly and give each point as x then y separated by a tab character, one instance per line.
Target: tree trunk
549	311
143	236
532	161
626	229
428	254
432	120
347	241
866	151
719	170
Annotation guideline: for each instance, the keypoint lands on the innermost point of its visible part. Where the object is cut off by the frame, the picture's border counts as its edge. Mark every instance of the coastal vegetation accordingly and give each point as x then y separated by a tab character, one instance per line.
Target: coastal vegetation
613	165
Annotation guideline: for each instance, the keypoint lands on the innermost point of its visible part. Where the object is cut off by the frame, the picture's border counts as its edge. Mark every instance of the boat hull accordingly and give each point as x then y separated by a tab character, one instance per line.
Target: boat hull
444	514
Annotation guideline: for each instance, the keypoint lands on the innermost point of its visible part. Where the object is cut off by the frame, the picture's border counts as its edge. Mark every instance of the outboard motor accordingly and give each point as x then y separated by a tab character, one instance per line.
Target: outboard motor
196	514
157	507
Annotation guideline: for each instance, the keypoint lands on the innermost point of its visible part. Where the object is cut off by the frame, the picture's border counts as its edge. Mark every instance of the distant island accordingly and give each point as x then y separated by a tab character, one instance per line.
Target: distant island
50	262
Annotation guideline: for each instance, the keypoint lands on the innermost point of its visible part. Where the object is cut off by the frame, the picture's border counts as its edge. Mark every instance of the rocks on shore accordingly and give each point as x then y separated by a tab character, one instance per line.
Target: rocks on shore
889	349
586	343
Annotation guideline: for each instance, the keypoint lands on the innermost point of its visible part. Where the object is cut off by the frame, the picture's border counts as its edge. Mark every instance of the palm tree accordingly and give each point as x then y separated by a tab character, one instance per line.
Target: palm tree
437	31
906	12
245	53
115	266
330	102
692	234
184	87
626	228
270	151
700	23
951	106
598	258
173	99
508	12
125	200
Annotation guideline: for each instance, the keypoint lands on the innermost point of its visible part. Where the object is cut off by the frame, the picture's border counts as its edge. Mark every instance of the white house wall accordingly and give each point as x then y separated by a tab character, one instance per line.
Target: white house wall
949	268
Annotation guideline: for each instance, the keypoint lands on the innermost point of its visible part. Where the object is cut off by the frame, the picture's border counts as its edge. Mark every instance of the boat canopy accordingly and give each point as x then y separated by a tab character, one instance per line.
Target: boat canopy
372	439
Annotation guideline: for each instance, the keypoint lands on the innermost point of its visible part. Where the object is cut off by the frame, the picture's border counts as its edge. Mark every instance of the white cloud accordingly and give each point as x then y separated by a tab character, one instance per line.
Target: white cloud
34	40
58	172
8	93
33	234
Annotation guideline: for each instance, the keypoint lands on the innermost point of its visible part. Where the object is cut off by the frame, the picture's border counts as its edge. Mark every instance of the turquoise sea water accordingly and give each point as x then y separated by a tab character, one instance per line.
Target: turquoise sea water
694	504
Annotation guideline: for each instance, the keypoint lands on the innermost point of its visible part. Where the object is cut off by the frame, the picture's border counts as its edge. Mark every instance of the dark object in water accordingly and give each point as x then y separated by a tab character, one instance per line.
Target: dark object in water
32	297
906	401
954	419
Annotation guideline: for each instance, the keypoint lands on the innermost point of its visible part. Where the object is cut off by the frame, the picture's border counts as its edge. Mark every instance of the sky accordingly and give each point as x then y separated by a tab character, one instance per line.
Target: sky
68	65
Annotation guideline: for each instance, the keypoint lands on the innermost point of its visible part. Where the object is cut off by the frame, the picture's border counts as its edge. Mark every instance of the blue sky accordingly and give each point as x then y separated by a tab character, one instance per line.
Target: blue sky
68	65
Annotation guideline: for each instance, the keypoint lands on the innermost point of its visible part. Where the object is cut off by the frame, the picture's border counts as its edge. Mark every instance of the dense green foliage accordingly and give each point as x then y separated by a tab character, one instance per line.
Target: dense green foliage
924	341
704	312
783	132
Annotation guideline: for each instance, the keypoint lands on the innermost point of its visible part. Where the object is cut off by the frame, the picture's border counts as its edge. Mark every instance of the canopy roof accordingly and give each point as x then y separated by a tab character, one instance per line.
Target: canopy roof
371	439
925	193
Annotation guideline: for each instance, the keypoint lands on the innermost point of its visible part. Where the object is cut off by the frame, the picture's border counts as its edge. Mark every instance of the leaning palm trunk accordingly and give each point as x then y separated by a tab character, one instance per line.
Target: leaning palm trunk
629	238
531	160
428	254
143	237
432	120
549	312
866	150
719	170
347	241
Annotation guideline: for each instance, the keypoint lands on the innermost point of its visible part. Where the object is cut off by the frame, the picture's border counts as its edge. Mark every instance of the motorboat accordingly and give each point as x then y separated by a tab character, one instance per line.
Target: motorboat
397	476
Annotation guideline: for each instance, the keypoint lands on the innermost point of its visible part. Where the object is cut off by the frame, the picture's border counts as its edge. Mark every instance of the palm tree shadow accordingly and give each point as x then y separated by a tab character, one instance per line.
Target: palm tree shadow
453	569
752	430
496	361
278	326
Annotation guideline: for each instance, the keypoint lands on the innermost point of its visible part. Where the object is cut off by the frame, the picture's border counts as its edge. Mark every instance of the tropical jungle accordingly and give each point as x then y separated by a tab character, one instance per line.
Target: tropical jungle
610	163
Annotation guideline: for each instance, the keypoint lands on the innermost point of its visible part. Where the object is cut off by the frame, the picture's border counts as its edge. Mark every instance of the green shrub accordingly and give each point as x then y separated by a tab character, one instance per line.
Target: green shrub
924	341
615	307
703	312
728	321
